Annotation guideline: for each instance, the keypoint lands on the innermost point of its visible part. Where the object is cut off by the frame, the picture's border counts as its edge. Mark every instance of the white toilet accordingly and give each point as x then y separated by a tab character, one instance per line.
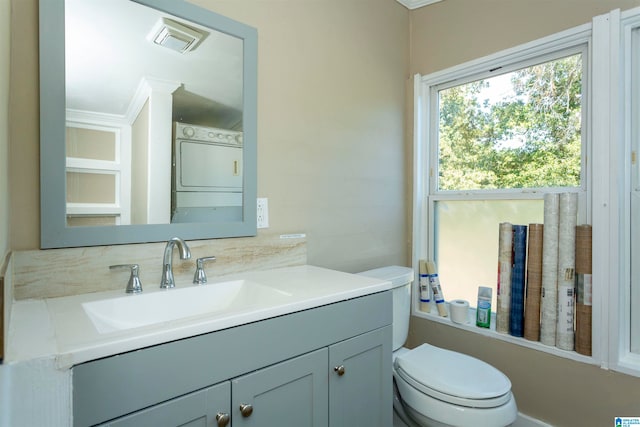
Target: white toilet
438	387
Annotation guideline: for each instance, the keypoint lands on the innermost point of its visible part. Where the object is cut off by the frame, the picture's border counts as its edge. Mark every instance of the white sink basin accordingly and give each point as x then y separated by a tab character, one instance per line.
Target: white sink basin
133	311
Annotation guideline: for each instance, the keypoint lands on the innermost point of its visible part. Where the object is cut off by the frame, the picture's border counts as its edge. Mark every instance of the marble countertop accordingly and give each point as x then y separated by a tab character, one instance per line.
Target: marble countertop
60	328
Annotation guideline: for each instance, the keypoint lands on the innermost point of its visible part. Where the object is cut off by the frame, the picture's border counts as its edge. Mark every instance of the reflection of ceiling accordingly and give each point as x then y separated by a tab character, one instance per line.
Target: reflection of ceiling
108	54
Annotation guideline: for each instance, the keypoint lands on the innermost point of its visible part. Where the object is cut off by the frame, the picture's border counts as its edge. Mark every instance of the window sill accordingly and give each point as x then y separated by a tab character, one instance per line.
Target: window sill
629	364
491	332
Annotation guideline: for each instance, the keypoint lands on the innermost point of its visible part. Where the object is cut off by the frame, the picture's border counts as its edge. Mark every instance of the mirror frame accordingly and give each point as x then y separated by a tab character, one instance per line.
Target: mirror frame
54	233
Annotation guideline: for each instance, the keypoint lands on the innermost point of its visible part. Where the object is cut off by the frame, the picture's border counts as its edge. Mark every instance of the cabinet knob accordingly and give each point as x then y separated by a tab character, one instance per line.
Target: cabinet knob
339	370
222	419
246	410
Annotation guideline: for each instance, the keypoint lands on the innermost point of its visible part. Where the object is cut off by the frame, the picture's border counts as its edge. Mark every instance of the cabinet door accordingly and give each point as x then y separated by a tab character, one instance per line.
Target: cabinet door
360	384
204	408
290	394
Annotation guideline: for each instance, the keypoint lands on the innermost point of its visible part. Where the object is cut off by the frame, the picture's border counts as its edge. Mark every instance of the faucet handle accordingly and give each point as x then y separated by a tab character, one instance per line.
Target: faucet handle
200	277
134	286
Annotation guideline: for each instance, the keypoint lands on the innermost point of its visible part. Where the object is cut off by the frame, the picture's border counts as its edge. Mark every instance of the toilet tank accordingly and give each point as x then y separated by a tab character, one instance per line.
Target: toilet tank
401	279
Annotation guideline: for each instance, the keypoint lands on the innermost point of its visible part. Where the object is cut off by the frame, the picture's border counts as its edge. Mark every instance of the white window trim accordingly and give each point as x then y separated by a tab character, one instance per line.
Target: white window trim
608	205
620	295
604	192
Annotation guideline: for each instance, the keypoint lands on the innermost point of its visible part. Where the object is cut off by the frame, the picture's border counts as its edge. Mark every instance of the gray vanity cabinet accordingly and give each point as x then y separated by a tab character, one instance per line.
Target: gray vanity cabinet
293	393
360	385
326	366
352	390
199	409
344	385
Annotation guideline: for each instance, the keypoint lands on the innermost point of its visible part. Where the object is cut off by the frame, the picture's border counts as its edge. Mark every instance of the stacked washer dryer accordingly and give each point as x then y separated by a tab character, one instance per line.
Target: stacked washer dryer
207	174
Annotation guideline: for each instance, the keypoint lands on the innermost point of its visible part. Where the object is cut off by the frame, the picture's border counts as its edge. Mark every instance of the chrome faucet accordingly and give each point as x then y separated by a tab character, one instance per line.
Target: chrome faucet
167	272
134	286
200	277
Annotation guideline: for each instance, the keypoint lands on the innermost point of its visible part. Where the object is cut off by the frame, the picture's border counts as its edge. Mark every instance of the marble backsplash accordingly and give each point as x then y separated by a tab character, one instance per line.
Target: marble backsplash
62	272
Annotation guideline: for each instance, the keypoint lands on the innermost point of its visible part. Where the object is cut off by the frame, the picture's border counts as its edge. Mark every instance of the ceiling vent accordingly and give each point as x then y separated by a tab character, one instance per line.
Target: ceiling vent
175	36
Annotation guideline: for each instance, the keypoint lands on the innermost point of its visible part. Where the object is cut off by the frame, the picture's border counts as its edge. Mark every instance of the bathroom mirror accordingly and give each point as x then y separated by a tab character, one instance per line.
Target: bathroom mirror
147	123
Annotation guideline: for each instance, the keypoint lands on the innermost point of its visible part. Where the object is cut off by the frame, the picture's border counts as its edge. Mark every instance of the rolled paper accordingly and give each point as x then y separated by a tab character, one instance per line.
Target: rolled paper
549	293
516	313
583	289
436	289
459	310
566	270
534	283
425	288
503	295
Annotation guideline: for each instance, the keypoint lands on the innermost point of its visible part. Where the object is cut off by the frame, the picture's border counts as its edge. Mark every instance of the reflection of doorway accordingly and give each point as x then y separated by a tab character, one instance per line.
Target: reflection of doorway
207	177
97	174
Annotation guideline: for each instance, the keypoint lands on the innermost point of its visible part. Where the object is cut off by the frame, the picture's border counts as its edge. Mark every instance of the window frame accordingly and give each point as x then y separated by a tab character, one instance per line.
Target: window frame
596	181
620	354
546	52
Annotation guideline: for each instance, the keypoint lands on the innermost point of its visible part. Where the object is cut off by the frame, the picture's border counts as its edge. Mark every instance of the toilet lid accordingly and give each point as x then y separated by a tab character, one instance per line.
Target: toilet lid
453	374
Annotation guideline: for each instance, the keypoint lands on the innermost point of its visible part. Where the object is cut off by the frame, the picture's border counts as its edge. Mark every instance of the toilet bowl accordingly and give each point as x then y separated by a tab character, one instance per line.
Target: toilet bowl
434	387
438	387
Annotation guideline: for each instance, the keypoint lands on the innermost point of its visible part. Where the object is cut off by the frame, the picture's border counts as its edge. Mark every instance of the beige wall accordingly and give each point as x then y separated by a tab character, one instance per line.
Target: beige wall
331	156
24	184
552	389
454	31
4	126
331	151
558	391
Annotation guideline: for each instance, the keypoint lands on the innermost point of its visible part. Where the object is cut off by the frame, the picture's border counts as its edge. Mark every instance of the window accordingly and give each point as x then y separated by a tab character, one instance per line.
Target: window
520	129
501	135
492	138
461	192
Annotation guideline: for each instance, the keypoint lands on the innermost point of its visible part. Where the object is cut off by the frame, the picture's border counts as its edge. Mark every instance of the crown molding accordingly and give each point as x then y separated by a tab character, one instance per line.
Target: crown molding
414	4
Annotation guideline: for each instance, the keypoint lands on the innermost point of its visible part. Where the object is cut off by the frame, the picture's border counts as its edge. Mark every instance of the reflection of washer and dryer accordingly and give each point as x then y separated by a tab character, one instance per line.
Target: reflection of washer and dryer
207	174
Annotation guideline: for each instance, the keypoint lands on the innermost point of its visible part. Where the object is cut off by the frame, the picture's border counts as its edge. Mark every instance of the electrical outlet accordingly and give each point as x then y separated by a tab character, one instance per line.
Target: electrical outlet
262	213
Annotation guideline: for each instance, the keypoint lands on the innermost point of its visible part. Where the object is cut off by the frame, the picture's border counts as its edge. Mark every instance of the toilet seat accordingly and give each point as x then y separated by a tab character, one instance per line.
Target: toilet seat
453	377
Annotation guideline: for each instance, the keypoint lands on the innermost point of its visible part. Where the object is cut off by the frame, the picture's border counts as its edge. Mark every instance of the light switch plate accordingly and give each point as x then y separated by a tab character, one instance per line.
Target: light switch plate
262	212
